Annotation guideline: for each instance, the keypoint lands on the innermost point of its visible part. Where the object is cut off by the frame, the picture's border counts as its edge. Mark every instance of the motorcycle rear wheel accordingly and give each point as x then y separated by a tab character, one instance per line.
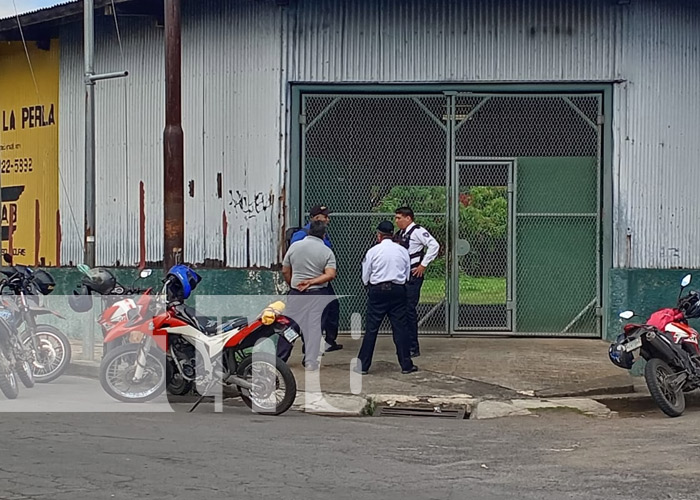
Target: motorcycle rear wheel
671	402
254	401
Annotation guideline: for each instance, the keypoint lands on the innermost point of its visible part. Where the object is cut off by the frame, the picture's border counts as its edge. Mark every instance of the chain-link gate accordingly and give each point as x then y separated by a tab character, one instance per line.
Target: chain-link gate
508	184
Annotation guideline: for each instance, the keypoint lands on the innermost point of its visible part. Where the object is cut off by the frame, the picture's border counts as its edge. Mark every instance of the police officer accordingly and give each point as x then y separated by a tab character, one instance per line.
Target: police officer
416	240
385	270
331	315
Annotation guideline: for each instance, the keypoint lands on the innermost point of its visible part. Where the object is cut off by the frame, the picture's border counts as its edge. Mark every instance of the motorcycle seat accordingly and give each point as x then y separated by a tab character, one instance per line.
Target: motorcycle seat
208	325
212	328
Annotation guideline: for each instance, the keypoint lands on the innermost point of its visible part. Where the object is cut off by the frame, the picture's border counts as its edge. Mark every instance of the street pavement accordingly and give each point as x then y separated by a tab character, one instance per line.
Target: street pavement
102	453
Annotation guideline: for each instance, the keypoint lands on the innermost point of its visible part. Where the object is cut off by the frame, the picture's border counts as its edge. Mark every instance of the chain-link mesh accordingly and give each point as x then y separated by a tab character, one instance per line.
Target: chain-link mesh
554	143
527	201
365	157
483	247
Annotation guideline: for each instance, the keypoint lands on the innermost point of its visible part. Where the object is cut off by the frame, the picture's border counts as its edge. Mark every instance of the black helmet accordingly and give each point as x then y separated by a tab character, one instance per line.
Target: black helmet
81	300
100	280
618	356
43	281
691	305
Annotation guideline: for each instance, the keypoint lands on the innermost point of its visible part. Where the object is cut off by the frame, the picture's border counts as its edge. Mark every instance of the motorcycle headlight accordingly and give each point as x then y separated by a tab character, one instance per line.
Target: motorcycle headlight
135	337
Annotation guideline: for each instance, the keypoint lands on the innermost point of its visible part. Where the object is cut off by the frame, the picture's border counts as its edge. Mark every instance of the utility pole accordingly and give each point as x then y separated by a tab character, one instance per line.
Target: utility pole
90	79
173	140
89	50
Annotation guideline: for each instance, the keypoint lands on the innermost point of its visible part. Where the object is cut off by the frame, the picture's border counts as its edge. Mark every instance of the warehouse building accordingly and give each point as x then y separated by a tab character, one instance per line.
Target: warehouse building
551	147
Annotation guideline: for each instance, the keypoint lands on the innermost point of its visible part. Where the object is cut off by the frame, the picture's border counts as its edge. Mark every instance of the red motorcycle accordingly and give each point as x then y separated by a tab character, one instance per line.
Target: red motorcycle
670	347
168	342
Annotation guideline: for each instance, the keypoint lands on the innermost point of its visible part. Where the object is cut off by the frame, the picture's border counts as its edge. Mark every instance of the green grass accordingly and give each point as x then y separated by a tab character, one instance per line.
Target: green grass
478	291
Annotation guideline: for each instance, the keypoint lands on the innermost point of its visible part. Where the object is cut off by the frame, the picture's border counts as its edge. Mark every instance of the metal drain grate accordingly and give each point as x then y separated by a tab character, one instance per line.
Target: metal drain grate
420	411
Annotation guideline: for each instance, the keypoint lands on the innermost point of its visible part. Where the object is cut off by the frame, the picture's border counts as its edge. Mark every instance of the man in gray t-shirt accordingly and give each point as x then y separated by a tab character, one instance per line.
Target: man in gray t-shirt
308	267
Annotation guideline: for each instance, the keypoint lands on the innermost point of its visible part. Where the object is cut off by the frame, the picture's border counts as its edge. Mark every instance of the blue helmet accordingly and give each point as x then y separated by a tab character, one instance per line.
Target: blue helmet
186	280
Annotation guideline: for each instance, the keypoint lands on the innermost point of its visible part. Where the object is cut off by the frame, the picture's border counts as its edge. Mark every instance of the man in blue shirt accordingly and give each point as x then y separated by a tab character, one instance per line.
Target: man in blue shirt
331	315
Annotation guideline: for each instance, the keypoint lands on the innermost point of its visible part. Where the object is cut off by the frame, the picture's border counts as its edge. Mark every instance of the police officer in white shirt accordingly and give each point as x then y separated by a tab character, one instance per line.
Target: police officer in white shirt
416	240
385	270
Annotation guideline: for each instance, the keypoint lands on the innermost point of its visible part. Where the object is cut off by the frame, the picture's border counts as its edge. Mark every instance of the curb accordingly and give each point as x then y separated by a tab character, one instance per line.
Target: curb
349	405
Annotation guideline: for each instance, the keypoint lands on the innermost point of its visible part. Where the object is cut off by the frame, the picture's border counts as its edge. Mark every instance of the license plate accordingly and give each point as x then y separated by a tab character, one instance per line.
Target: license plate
290	335
633	345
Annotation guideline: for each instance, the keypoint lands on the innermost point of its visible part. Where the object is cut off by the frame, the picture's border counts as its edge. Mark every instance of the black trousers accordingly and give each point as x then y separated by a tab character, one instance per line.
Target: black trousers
413	297
331	318
386	300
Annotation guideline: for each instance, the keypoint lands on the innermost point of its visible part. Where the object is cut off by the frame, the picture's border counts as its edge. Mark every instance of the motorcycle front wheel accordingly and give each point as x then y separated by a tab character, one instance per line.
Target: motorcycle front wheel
276	387
119	367
8	384
660	377
25	373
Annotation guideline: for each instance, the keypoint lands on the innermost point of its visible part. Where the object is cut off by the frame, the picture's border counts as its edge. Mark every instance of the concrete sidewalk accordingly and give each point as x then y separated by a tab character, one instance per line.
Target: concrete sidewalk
507	375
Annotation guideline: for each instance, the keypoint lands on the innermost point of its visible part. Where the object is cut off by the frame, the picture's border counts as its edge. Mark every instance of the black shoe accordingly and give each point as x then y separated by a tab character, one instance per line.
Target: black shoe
413	369
334	347
415	354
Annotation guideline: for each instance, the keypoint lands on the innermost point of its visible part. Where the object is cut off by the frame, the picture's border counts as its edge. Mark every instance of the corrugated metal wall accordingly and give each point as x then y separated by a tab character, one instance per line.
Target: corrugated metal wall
657	138
239	56
452	40
231	118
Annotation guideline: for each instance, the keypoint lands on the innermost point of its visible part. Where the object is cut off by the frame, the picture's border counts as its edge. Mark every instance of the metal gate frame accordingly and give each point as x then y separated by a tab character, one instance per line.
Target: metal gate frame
294	208
453	217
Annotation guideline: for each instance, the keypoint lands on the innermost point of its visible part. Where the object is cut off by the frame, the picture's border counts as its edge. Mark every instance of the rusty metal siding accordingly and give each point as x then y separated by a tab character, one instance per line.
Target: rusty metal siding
231	120
239	58
129	151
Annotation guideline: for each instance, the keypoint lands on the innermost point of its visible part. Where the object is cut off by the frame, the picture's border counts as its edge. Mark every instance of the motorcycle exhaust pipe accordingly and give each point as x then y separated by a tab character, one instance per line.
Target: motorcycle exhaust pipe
233	379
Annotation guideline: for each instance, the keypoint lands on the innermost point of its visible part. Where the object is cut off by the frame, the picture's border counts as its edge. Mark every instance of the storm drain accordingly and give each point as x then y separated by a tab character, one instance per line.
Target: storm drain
421	411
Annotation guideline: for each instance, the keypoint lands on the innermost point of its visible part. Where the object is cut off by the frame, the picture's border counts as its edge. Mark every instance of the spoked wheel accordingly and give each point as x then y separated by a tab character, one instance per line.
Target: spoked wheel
177	384
118	370
275	387
25	373
53	353
664	386
8	383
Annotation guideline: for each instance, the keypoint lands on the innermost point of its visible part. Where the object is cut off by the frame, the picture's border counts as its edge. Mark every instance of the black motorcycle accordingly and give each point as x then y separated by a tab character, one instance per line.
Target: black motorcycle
21	290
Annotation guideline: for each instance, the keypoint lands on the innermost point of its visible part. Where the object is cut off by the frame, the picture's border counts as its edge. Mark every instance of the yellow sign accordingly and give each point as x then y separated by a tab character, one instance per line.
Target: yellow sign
29	152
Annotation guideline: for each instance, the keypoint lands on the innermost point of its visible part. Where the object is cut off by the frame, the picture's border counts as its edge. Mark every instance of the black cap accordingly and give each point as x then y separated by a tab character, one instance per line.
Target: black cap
386	227
319	210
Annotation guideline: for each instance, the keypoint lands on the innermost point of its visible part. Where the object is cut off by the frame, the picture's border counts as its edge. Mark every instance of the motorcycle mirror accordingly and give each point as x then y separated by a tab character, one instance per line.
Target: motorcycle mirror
686	280
145	273
626	314
7	258
83	268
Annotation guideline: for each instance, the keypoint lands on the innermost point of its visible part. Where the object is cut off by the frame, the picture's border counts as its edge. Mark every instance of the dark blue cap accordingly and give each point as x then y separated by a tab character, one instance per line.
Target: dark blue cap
385	227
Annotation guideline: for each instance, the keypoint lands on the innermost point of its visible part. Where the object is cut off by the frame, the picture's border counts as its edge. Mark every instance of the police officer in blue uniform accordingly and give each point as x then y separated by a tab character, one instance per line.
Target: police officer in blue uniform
385	270
422	249
331	315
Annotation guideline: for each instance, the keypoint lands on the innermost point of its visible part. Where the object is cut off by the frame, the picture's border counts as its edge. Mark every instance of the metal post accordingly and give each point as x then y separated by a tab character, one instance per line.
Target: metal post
89	17
173	137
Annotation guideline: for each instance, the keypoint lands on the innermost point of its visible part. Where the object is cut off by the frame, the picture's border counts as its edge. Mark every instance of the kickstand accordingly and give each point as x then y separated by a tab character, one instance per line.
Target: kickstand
201	398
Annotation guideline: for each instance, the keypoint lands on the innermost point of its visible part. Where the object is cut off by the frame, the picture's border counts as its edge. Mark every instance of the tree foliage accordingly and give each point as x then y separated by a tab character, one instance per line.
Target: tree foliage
483	222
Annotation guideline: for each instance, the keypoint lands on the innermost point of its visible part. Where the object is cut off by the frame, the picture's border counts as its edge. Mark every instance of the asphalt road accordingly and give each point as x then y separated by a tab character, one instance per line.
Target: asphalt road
102	454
